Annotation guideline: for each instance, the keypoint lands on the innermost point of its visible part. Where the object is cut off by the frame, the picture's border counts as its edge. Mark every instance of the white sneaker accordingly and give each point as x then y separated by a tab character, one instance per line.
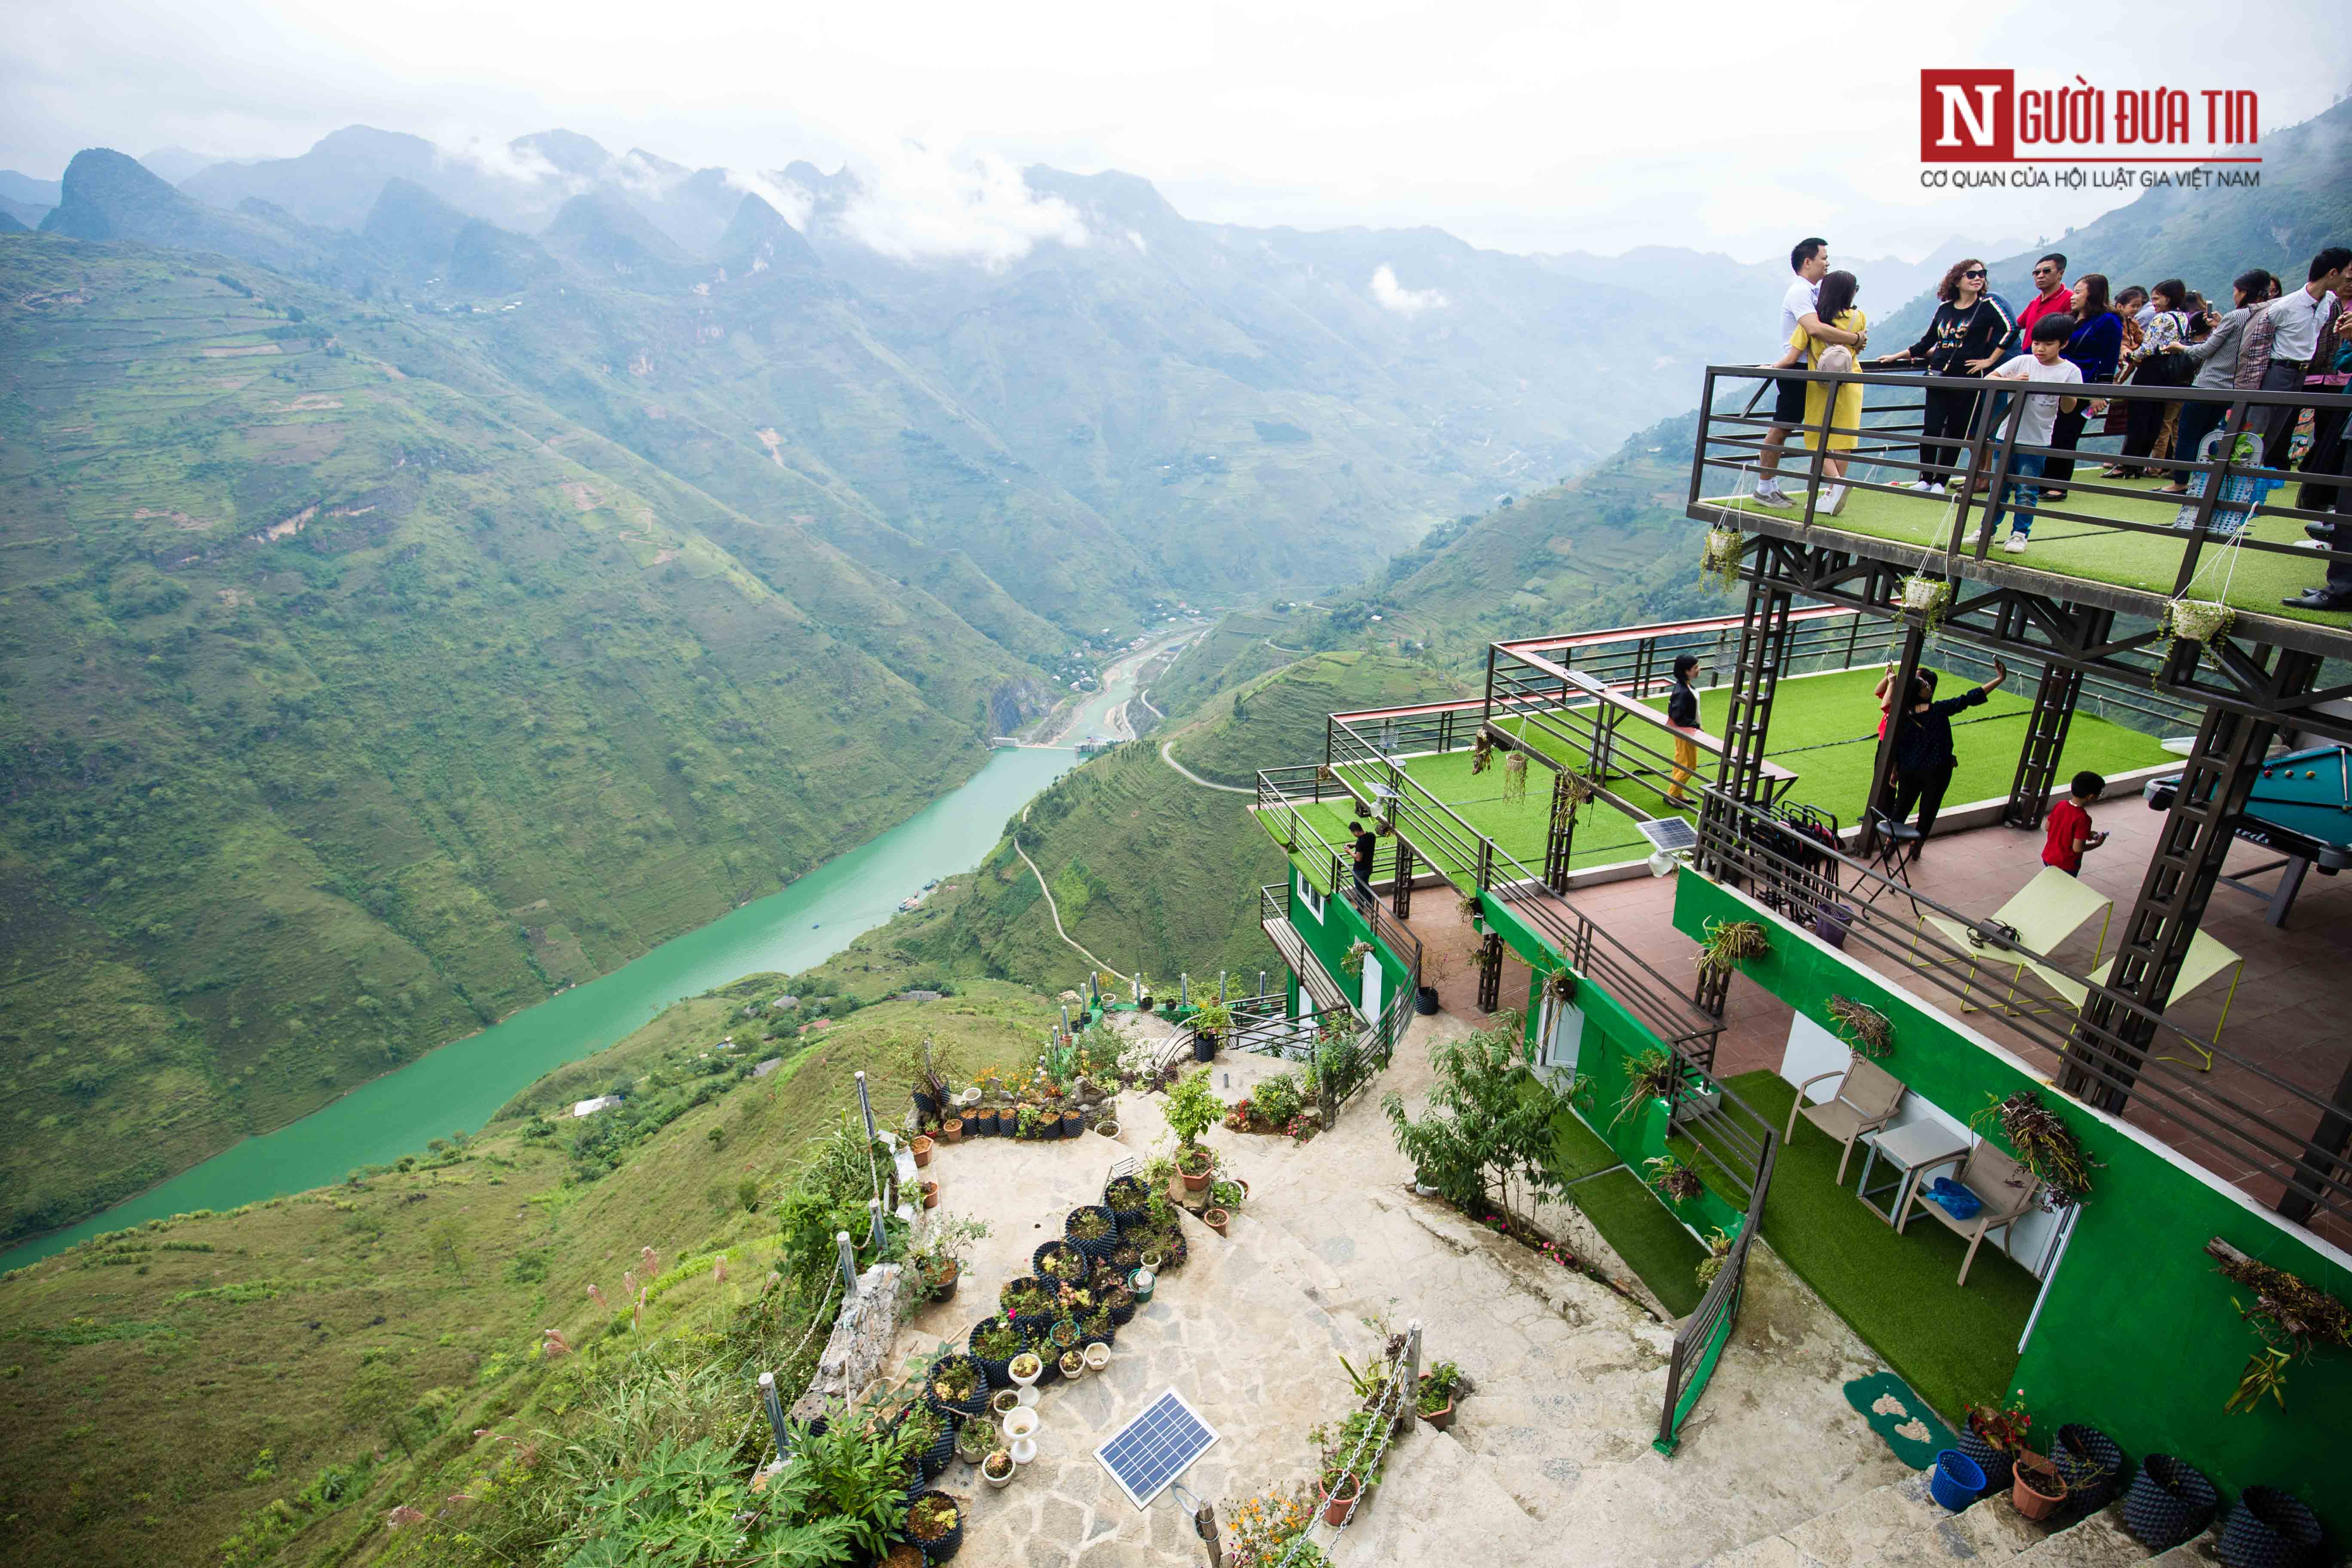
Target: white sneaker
1834	499
2015	544
1925	487
1772	495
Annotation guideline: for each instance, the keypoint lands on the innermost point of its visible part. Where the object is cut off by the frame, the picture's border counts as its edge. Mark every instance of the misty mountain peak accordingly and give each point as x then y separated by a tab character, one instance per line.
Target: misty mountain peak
567	151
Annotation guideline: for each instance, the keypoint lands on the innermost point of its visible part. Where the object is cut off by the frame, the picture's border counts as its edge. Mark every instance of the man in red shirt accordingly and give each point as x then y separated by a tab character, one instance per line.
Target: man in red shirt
2051	295
2069	830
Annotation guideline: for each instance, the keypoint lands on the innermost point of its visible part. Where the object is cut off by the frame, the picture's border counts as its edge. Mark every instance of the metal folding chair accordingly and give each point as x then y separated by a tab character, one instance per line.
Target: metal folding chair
1891	845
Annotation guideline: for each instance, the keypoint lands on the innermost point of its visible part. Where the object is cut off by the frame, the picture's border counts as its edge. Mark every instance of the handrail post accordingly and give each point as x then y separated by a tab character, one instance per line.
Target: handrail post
2002	466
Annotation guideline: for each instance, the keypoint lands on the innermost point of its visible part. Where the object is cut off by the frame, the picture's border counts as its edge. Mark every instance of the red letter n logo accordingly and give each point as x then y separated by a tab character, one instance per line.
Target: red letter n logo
1967	116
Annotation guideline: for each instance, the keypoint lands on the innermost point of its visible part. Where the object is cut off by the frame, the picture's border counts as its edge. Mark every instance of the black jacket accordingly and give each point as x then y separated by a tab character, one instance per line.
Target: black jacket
1682	706
1956	336
1923	742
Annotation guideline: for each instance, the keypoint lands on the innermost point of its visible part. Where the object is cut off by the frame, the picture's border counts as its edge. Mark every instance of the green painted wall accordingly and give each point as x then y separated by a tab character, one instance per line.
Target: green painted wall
1339	929
1613	1038
2136	1334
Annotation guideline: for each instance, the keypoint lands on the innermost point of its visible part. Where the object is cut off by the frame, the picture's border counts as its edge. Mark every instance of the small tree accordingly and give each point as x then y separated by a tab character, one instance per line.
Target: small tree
1193	1110
1489	1126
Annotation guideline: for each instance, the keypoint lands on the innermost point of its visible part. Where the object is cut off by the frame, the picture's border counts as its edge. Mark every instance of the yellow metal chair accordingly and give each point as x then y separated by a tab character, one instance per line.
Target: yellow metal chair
2043	913
2205	960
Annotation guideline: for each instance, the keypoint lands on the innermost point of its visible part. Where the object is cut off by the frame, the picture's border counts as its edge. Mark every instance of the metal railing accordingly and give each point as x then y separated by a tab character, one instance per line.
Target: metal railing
2256	1146
1731	441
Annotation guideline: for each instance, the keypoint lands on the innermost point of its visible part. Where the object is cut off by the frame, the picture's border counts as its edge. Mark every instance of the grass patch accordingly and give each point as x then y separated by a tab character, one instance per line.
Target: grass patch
1653	1242
1951	1344
1579	1151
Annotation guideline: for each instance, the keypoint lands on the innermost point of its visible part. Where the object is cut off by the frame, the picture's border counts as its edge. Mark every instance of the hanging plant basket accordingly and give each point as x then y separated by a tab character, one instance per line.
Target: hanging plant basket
1354	960
1515	776
1927	597
1559	986
2039	1137
1727	942
1482	751
1865	1027
1672	1180
1719	558
1652	1075
2197	620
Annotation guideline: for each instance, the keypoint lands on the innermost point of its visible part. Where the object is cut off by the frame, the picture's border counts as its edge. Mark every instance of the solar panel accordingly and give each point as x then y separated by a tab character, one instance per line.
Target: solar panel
1154	1448
1670	834
1596	687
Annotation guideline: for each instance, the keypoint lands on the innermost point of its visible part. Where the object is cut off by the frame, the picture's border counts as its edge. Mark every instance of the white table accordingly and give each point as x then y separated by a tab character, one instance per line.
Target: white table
1923	1143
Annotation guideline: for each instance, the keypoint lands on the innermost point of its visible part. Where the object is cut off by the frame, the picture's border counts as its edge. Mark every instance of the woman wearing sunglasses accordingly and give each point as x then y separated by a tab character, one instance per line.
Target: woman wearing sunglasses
1964	339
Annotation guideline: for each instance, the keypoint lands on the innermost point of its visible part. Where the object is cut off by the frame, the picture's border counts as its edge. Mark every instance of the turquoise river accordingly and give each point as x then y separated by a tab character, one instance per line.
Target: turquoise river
461	1084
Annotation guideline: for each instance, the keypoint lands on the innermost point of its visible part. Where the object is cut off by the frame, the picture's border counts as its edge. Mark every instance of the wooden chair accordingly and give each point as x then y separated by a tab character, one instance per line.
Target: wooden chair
1865	1101
2004	1189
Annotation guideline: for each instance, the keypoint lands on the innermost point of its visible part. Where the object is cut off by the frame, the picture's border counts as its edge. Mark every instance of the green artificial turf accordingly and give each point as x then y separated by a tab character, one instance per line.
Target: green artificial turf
1955	1345
2148	563
1578	1151
1653	1242
1824	730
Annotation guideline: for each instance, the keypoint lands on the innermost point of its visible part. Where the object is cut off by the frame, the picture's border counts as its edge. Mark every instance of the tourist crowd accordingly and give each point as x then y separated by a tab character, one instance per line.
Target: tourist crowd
2273	336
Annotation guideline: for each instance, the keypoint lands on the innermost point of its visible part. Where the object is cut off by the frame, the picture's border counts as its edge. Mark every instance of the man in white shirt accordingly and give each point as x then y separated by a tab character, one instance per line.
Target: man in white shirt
1810	262
2294	319
2035	422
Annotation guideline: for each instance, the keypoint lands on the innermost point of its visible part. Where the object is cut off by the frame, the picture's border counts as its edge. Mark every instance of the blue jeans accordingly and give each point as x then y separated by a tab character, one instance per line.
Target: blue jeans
2022	467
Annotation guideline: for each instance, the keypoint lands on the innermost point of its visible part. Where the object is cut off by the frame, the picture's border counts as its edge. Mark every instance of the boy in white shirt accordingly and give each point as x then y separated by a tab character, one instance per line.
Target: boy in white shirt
2035	423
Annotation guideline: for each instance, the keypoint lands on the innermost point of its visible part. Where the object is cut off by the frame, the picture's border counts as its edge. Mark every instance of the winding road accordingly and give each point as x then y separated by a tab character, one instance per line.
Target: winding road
1054	909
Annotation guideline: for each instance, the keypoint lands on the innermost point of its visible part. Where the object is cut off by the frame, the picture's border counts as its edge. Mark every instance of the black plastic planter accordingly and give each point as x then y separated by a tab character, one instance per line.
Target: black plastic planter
1074	1124
1424	1000
1129	1199
1060	1250
998	1372
2268	1529
932	1460
980	1124
927	1106
2168	1502
972	1404
1099	1247
1205	1047
1998	1465
948	1545
2093	1465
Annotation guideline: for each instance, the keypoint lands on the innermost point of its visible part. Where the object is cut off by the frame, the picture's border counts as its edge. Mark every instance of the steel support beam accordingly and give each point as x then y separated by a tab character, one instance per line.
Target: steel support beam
2109	1043
1490	971
1400	891
2054	698
1559	844
1756	672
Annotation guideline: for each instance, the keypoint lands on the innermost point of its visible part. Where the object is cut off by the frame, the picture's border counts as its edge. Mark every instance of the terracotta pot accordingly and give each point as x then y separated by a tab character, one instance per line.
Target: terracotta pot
1440	1419
930	1194
1340	1500
951	1130
922	1147
1216	1219
2036	1491
1193	1184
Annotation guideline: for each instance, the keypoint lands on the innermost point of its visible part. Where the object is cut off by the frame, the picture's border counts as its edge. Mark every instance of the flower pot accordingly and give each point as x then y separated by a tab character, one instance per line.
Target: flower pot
922	1149
1440	1419
927	1105
1049	1125
1424	1000
951	1130
943	1284
1108	1128
1143	1279
1994	1461
971	1403
1143	1004
2268	1529
1024	1369
1097	1356
2090	1464
996	1372
1956	1480
2168	1502
930	1194
1073	1123
982	1122
1193	1184
1097	1248
1217	1219
1021	1423
1341	1501
1003	1403
1022	1449
1205	1047
998	1468
1073	1364
2035	1487
944	1544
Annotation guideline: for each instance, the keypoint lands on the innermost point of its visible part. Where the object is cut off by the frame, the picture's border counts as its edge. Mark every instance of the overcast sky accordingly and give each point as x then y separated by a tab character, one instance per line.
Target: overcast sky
1519	126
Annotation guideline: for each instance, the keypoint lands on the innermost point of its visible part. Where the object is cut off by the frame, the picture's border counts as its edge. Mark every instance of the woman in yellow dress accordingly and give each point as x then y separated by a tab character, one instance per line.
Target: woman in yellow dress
1834	306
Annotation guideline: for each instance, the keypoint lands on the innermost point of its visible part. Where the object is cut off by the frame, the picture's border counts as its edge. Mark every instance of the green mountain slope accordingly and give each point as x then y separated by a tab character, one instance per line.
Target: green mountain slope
355	701
183	1386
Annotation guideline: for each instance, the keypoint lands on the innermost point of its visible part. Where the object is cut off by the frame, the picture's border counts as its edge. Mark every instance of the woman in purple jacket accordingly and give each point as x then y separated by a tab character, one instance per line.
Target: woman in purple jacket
2096	345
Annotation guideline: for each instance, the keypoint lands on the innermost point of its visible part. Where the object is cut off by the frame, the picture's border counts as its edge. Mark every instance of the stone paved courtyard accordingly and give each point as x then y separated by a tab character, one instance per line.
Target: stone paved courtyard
1549	1459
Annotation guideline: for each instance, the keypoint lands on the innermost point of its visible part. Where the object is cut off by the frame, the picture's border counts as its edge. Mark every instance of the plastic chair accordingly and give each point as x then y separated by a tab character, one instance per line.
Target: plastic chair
1865	1101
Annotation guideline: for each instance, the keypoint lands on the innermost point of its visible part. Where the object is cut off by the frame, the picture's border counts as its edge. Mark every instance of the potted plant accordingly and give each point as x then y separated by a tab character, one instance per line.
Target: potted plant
1993	1435
974	1438
1107	1127
1143	992
935	1523
922	1149
2039	1137
1196	1165
1073	1364
1652	1075
1727	943
1865	1028
1003	1403
1352	961
1217	1219
1063	1334
1211	1020
997	1469
924	1432
951	1130
1346	1472
1672	1180
994	1342
1434	1402
1191	1110
1719	556
2037	1488
930	1194
982	1121
1026	1123
1129	1199
1227	1192
1073	1123
1092	1229
1025	1369
956	1384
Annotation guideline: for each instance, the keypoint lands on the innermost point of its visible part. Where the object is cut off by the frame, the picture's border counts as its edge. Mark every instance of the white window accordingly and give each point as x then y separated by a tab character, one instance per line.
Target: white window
1310	903
1560	1036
